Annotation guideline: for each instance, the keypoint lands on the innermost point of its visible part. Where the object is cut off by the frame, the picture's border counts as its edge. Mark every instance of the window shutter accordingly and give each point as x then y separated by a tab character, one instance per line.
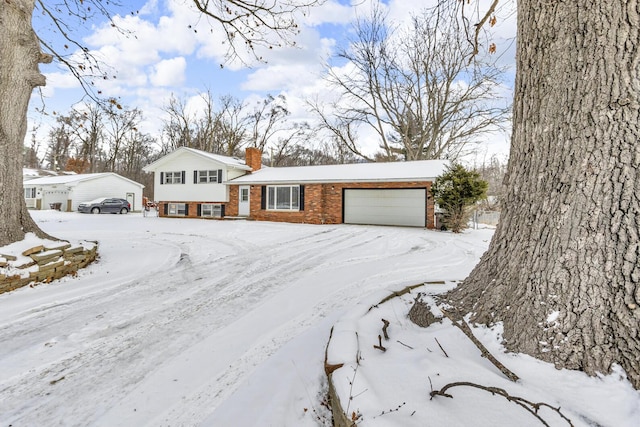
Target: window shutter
263	197
161	178
222	211
186	209
166	208
195	178
219	176
199	209
183	177
301	197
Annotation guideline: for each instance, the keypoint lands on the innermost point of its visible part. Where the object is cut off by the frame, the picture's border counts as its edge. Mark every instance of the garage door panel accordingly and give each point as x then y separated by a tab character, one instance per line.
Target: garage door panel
385	207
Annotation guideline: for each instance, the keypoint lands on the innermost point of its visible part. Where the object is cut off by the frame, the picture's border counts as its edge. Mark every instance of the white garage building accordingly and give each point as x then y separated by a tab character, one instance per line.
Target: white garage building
66	192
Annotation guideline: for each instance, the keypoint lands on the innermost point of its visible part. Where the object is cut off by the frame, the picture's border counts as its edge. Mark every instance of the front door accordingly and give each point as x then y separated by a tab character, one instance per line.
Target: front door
243	200
131	198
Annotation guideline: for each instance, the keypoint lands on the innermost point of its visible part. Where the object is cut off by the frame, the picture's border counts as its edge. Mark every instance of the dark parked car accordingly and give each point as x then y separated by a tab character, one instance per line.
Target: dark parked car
105	205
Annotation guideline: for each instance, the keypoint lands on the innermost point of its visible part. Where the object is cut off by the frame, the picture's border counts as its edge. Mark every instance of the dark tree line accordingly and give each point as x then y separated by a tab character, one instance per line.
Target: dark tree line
91	138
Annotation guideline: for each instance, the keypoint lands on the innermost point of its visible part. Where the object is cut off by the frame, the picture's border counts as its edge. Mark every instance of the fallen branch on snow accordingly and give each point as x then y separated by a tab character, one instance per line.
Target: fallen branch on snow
529	406
462	325
384	329
380	346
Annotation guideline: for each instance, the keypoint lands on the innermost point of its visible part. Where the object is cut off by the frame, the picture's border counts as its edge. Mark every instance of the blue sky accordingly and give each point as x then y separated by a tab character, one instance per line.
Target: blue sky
163	56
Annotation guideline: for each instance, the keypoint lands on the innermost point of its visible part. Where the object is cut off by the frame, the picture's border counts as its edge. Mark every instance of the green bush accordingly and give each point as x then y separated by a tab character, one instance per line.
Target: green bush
455	192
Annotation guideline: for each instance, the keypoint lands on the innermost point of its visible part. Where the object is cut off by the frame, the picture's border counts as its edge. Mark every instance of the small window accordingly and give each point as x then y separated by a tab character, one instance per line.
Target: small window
283	197
207	177
177	209
211	210
30	193
244	195
173	177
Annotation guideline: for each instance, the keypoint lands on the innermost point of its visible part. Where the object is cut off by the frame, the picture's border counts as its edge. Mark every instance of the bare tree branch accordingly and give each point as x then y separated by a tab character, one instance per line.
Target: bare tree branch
414	89
248	24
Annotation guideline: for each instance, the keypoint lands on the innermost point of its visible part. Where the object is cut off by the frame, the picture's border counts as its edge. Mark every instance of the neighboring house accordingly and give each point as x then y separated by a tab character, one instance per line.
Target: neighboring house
29	173
66	192
362	193
189	182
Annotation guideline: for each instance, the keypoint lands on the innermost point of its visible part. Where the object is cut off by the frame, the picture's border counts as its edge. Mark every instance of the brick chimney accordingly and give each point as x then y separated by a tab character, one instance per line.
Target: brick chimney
253	158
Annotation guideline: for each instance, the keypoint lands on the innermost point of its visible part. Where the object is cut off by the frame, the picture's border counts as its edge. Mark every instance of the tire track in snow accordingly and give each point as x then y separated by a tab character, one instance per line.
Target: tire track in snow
196	404
189	314
104	344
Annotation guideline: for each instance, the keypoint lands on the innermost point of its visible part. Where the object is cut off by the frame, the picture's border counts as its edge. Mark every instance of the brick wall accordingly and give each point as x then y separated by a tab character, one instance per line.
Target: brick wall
253	158
231	209
323	202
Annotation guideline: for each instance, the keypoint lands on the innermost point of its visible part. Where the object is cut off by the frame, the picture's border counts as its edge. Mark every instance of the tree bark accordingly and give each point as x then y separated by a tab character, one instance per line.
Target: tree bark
562	271
420	313
19	74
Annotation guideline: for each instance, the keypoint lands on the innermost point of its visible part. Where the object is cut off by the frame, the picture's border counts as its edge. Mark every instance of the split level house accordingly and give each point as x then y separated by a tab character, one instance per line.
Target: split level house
195	184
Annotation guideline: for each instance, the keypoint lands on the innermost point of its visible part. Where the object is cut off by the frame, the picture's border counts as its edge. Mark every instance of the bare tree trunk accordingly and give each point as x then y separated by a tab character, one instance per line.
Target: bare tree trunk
19	75
563	271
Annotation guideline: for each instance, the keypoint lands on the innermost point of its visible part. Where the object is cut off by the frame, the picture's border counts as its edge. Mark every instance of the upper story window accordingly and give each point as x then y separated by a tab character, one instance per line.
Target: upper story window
209	176
283	197
172	178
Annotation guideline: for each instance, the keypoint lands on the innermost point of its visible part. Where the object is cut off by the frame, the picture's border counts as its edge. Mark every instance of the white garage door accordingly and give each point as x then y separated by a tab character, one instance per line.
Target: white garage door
386	207
55	196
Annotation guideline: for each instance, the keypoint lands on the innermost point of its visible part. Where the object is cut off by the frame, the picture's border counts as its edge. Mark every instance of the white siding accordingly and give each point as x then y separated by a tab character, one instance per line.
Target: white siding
386	207
189	191
234	173
106	186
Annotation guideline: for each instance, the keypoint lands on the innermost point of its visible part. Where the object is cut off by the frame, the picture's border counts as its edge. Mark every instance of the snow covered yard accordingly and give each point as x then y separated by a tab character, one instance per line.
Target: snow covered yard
393	387
224	323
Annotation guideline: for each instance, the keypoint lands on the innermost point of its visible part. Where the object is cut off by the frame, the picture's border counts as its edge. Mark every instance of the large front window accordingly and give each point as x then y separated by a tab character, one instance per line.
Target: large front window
283	197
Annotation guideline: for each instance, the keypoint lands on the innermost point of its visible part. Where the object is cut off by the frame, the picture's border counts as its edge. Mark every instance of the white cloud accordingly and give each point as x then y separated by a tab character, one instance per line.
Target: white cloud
169	72
173	50
150	7
143	38
279	77
330	12
146	52
292	68
61	81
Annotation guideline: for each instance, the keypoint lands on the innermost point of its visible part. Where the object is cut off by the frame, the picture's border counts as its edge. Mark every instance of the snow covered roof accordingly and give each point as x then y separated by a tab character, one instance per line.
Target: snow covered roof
30	173
74	179
420	170
226	160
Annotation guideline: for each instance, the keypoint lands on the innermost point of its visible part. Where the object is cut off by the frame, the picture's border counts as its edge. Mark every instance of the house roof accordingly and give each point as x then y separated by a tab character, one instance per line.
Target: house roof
30	173
72	180
232	162
420	170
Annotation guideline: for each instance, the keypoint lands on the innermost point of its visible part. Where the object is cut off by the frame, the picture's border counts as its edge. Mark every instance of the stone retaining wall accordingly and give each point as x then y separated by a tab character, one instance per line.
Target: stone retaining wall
42	264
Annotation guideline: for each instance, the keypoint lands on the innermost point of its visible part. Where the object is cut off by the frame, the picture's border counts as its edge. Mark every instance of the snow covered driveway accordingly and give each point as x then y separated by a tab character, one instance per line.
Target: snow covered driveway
176	315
